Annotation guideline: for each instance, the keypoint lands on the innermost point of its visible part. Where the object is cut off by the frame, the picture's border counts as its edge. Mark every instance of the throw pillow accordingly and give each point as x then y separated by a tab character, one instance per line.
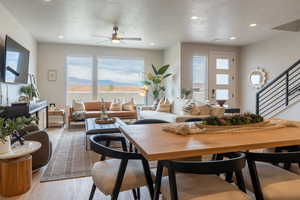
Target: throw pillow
78	116
115	106
188	107
164	106
77	105
204	110
217	111
128	106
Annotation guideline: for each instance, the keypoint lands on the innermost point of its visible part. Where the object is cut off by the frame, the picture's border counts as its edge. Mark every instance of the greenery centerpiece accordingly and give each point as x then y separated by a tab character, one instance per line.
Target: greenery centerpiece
242	119
156	81
11	127
185	93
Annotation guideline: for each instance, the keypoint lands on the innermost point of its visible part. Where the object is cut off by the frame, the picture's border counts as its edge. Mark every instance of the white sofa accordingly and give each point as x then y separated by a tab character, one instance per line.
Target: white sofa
175	116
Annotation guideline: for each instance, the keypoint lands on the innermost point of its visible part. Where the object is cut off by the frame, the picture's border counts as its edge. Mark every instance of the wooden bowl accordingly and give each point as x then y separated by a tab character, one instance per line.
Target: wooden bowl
106	121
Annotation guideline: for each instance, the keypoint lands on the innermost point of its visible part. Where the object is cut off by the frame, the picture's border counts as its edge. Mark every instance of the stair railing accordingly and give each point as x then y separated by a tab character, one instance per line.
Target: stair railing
280	92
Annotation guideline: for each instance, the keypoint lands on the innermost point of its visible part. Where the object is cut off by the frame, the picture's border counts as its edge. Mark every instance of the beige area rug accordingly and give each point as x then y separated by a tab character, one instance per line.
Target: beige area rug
70	159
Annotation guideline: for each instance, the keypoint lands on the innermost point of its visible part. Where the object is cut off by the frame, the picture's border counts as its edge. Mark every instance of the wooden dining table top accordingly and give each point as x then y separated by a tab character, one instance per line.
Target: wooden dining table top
156	144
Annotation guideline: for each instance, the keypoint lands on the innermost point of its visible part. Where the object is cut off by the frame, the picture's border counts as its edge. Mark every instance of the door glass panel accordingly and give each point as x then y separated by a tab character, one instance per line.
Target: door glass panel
222	79
199	65
222	63
222	94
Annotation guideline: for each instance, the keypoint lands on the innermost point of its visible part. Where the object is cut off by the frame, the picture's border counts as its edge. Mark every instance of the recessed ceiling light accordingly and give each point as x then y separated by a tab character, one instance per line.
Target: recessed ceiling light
61	37
232	38
47	0
194	17
253	25
152	43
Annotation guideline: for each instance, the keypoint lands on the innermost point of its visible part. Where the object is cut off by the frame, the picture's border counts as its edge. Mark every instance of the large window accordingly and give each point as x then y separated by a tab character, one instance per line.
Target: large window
120	78
79	78
199	66
108	78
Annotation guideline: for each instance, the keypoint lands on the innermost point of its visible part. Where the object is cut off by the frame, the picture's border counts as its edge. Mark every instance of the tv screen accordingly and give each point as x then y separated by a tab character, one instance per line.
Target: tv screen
16	62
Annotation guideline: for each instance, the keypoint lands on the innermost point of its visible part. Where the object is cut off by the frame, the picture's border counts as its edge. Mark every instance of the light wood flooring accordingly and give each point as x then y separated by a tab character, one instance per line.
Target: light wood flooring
72	189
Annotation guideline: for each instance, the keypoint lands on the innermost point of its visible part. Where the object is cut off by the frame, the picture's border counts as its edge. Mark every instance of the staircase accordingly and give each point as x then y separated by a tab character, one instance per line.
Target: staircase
280	93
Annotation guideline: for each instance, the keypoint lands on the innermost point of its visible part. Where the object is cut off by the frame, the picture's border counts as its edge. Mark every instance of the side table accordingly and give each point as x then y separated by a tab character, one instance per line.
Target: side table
16	169
56	113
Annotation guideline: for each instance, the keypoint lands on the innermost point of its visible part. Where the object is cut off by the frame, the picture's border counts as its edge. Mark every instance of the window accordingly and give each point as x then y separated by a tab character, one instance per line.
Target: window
222	79
199	66
79	78
120	79
107	78
222	63
222	94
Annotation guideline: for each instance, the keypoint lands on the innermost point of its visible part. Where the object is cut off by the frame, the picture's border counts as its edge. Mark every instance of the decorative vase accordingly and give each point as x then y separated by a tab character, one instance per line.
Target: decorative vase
6	146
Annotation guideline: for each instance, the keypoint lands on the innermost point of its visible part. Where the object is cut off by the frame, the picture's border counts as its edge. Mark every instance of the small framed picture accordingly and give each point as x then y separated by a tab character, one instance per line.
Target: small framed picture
52	75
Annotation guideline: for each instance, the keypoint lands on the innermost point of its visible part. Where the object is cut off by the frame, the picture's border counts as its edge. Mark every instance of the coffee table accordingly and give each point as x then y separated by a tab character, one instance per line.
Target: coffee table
92	128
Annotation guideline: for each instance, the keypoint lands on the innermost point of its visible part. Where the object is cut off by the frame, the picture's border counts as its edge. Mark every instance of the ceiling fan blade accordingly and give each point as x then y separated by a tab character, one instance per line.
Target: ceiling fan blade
135	39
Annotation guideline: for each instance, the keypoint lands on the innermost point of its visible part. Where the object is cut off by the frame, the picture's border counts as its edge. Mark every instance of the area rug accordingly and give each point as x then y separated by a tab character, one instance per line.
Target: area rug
70	159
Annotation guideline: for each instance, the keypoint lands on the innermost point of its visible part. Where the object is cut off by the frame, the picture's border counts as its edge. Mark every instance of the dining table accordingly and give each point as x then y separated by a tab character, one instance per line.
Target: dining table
155	144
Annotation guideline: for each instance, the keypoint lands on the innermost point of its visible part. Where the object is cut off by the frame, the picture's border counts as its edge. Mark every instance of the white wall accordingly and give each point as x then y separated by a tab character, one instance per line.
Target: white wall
10	26
273	55
172	56
53	57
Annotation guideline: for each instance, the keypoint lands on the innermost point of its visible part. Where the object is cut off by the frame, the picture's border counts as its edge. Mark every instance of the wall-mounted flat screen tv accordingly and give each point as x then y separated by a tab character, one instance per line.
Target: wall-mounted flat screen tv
16	62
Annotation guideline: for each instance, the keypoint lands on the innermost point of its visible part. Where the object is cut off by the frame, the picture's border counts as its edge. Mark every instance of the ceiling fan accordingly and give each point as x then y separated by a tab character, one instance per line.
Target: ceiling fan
116	39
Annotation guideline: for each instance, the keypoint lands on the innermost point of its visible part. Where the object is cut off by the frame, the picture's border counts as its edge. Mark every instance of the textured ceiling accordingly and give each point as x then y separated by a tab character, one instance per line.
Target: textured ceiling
163	22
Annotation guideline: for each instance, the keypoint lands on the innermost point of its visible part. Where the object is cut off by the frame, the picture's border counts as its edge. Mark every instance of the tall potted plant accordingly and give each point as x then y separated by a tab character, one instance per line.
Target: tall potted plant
9	127
156	80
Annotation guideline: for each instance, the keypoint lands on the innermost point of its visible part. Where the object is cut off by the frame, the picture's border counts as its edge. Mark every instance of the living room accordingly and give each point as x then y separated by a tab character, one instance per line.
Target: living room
159	76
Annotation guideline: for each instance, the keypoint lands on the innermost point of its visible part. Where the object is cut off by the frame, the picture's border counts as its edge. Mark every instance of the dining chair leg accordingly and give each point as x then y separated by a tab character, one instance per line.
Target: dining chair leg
134	194
119	181
240	181
158	181
172	184
107	144
287	166
138	193
92	192
255	180
148	178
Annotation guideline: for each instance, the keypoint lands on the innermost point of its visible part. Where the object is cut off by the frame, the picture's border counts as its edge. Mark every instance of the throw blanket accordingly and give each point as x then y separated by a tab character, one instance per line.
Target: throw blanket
190	128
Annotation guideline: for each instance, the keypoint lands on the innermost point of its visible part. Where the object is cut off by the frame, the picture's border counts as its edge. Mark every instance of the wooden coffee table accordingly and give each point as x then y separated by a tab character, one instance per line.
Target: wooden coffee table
92	128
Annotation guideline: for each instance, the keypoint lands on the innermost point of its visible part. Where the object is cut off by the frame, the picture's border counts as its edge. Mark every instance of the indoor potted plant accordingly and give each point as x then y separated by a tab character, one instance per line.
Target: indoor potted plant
28	91
9	127
156	81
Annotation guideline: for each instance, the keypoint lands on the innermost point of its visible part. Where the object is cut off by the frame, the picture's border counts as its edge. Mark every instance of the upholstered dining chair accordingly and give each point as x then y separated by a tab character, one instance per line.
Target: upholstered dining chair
124	171
200	180
270	182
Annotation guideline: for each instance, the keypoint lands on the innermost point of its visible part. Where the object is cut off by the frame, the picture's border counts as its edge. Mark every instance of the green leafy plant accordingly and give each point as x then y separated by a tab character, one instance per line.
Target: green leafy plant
10	126
156	80
28	91
185	93
243	119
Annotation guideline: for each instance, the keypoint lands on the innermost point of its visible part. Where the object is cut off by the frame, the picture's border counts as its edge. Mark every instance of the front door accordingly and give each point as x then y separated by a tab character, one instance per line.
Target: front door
222	70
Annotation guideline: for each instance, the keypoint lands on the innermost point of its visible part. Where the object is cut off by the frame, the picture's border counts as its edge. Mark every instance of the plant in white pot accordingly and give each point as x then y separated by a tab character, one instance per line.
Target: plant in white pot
9	127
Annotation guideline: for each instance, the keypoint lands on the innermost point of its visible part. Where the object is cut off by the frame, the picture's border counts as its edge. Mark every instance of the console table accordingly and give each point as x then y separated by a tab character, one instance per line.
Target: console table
16	169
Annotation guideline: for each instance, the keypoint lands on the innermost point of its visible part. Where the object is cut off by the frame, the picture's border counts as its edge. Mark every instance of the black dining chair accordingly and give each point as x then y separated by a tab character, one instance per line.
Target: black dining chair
271	182
193	180
124	171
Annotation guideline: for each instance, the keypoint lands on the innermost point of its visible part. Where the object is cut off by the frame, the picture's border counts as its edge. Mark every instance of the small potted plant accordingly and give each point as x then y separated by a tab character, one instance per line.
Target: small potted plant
28	91
9	127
